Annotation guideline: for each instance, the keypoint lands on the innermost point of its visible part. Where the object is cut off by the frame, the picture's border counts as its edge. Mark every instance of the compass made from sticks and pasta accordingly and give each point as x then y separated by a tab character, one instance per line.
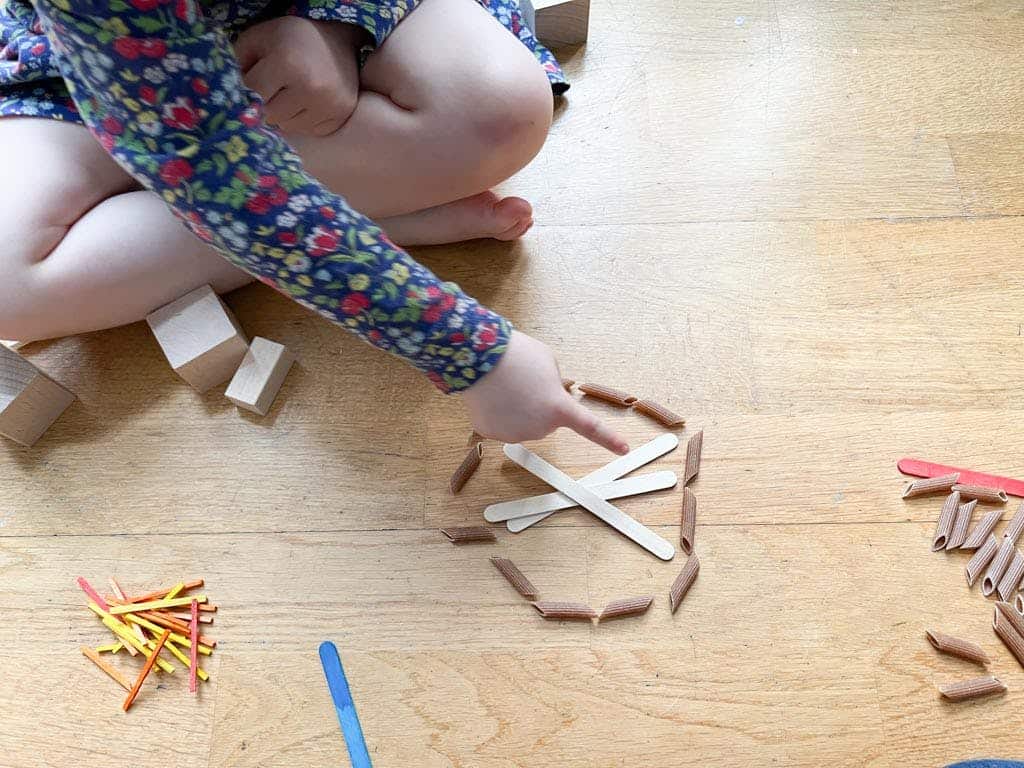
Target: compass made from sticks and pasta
594	493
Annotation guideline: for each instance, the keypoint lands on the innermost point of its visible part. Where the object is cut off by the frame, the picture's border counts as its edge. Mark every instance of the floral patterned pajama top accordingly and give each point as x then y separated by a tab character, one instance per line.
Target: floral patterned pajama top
157	83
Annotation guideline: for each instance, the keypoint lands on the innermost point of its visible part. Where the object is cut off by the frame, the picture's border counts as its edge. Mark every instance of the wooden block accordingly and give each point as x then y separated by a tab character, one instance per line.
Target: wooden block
259	377
30	401
561	22
202	340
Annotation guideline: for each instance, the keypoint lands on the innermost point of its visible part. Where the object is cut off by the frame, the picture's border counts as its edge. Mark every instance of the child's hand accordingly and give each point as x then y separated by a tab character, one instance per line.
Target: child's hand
306	71
523	399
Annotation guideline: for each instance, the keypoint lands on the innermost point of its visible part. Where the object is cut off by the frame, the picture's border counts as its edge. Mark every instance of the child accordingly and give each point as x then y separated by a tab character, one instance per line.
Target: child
446	105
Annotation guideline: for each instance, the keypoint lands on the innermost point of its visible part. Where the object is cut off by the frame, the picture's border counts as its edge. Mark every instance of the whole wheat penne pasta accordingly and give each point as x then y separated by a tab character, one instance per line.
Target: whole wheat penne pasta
982	557
688	525
694	446
659	413
972	689
551	609
608	394
947	516
956	646
981	493
466	468
1015	619
628	606
927	485
982	530
1012	639
567	384
515	577
998	567
961	523
1015	527
474	438
683	582
461	535
1011	578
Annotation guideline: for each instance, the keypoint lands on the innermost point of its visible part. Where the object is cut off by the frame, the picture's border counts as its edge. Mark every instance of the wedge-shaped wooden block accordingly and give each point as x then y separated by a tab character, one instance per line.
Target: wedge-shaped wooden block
260	376
561	22
30	401
202	340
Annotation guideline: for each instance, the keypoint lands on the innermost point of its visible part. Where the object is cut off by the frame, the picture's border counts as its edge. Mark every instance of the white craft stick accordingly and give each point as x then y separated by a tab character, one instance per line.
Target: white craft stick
623	465
613	516
553	502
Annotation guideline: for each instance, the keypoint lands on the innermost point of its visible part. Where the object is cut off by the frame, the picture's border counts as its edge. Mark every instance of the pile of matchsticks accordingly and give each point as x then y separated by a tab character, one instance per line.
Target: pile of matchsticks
147	625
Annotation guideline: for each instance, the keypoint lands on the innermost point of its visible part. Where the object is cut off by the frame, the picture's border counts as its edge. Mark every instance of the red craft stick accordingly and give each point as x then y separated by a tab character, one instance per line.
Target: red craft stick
145	670
193	636
92	593
919	468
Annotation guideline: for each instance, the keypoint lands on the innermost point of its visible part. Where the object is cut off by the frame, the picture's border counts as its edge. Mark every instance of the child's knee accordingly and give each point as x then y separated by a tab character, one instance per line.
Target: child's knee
511	113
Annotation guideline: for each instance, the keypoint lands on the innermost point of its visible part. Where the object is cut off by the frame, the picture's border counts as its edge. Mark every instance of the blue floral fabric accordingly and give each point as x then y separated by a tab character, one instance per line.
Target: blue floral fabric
157	84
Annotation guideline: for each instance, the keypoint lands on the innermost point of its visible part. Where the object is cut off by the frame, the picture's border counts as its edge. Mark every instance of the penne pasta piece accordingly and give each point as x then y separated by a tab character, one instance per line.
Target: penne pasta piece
983	530
466	468
683	582
694	446
961	523
629	606
474	438
998	567
982	557
944	526
145	669
567	385
461	535
1011	578
955	646
659	413
1015	527
928	485
981	493
552	609
112	673
972	689
1015	619
1012	639
1019	604
515	577
609	395
688	525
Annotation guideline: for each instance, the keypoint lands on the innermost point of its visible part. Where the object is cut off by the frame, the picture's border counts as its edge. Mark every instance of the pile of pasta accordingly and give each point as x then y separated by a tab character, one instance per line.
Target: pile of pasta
161	627
997	562
628	606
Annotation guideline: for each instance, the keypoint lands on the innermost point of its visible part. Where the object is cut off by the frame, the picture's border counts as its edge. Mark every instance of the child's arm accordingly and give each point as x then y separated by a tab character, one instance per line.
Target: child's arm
162	92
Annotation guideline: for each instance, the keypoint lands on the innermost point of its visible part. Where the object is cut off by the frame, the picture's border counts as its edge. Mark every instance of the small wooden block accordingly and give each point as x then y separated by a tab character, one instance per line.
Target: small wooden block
260	376
561	22
202	340
30	401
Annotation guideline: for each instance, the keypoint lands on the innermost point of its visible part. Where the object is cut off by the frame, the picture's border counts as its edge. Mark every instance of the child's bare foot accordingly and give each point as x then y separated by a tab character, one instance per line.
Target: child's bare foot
483	215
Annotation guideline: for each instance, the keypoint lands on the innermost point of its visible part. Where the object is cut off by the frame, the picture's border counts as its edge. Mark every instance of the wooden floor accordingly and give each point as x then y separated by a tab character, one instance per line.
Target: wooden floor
797	223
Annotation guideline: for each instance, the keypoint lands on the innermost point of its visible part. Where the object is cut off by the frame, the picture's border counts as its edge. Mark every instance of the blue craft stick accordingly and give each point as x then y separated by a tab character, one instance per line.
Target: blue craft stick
343	705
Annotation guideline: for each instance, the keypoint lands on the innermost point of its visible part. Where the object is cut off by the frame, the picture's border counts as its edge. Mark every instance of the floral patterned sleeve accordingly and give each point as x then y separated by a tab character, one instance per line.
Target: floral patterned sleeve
161	90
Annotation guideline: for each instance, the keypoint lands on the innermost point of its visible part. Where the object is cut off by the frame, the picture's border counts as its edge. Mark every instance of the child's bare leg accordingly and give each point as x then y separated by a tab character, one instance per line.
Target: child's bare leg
85	249
452	104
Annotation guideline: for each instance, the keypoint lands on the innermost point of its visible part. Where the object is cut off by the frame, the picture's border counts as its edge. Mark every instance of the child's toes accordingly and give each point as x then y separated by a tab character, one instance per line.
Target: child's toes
509	212
517	230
